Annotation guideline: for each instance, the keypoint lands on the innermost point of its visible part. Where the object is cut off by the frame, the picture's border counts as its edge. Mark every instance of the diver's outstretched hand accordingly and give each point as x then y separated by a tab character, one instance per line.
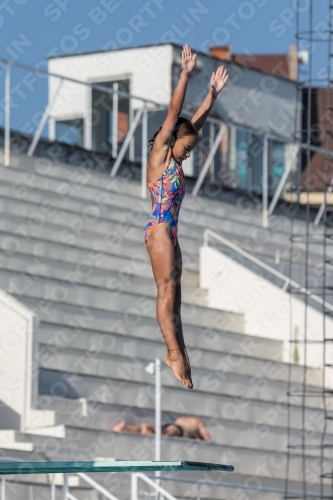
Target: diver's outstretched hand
219	79
188	61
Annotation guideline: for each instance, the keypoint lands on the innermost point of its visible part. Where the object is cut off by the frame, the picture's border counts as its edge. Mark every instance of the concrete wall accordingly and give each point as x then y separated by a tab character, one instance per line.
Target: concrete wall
18	381
267	308
19	367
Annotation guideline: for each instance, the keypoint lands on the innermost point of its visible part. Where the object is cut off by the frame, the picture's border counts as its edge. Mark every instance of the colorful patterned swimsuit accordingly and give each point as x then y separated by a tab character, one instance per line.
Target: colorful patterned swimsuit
168	192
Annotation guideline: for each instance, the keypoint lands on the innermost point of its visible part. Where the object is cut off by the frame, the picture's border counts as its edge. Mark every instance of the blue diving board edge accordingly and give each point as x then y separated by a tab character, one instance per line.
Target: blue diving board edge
108	466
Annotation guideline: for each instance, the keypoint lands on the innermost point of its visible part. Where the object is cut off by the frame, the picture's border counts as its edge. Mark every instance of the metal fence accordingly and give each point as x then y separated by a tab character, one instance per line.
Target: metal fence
217	132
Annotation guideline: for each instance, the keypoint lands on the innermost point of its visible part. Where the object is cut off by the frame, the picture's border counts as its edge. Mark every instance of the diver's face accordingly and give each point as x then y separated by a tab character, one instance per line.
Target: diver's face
183	146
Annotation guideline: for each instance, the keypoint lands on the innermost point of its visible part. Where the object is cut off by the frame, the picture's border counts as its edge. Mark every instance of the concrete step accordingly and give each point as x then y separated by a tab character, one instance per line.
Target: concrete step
45	479
126	307
112	207
8	443
207	377
58	450
61	184
266	352
125	369
22	271
225	432
119	485
81	231
18	490
102	443
86	263
84	413
68	322
246	461
137	447
112	391
60	244
78	226
130	220
14	455
121	244
217	487
74	178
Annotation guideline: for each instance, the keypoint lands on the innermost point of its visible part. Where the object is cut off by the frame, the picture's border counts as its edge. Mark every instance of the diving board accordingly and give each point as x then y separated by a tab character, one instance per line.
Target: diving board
109	466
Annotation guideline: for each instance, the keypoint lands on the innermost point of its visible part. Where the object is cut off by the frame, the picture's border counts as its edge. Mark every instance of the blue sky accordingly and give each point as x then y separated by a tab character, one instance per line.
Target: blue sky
69	26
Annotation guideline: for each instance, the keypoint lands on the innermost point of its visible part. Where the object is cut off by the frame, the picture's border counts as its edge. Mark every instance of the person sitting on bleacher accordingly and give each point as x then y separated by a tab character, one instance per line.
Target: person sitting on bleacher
189	427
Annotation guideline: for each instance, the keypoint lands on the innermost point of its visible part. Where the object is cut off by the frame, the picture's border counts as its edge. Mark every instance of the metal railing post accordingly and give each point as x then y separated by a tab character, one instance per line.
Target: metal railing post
157	421
198	491
322	206
144	153
149	481
53	488
7	116
3	487
205	238
283	180
96	486
115	97
131	118
126	142
43	121
65	488
209	160
158	411
265	183
134	487
211	145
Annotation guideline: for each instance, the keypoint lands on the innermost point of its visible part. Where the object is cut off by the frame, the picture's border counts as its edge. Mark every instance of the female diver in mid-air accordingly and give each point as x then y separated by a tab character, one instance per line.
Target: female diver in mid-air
171	145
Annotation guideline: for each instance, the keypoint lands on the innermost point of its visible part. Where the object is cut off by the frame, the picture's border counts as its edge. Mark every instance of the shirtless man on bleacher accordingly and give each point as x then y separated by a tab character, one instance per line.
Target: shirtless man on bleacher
189	427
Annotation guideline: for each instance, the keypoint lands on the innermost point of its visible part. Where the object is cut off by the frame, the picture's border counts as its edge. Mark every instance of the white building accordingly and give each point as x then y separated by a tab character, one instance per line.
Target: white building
253	99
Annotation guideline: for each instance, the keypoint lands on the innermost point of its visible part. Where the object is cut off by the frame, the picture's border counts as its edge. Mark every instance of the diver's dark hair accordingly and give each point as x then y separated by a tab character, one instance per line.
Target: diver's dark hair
183	128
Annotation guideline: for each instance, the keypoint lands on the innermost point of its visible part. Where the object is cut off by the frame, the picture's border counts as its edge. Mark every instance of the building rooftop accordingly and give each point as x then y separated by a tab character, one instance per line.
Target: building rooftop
264	64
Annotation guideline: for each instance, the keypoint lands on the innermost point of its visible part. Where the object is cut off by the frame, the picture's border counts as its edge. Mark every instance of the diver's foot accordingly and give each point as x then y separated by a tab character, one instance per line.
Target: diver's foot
118	427
178	364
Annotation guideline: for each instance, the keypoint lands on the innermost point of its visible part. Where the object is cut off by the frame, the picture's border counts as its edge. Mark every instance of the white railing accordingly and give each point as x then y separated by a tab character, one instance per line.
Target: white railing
96	486
133	122
239	486
3	488
134	486
66	495
287	281
71	497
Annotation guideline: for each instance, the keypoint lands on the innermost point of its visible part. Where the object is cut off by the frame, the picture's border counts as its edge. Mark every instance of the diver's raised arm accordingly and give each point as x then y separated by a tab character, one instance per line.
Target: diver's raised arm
217	83
177	100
